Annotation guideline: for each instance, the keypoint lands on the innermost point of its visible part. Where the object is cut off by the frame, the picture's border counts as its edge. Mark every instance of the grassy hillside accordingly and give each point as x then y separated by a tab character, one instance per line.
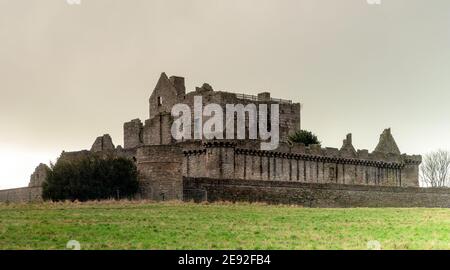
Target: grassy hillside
144	225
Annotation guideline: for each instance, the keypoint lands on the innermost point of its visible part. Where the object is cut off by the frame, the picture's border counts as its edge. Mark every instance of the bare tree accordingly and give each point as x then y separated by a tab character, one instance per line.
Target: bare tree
435	169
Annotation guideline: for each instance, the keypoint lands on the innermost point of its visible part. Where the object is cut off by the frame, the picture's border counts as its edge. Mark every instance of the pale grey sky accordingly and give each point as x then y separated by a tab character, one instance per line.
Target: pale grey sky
69	73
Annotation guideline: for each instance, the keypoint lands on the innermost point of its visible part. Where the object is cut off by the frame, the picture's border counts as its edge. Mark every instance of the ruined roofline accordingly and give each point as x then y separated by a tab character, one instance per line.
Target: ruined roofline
247	97
347	153
387	143
258	98
178	83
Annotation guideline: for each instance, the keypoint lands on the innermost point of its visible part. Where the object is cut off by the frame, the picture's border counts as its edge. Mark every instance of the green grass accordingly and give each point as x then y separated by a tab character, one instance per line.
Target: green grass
144	225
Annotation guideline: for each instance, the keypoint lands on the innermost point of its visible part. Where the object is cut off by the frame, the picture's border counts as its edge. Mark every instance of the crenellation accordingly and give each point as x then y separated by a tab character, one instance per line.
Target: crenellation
309	164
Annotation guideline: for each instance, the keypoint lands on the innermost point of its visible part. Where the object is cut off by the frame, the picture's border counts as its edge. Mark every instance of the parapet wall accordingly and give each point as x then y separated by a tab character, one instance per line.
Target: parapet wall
222	160
18	195
312	194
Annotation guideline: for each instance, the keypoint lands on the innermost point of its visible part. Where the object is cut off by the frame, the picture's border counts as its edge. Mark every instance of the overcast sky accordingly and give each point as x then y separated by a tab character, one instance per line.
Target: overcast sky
69	73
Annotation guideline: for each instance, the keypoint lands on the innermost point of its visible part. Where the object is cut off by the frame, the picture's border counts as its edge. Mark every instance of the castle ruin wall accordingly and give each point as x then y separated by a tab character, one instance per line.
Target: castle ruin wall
299	164
312	194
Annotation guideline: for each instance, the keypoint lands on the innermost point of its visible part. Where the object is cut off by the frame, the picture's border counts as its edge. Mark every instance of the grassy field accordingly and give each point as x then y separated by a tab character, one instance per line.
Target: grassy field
144	225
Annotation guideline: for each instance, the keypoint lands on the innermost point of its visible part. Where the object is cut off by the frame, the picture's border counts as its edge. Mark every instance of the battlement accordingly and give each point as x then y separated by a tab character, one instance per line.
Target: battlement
311	152
347	151
243	159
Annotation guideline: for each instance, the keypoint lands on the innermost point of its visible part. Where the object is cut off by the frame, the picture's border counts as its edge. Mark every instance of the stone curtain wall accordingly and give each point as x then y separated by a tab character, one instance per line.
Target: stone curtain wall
257	165
32	193
312	194
160	176
224	160
17	195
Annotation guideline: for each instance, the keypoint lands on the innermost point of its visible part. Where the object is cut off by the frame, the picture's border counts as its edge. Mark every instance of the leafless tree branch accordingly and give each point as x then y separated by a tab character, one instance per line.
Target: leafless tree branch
435	169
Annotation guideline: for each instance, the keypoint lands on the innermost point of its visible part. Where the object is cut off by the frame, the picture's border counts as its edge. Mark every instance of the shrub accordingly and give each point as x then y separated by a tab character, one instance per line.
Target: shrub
305	137
91	178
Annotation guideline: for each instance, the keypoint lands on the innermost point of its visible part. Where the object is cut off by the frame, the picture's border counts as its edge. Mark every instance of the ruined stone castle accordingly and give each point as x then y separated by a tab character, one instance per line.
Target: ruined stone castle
239	170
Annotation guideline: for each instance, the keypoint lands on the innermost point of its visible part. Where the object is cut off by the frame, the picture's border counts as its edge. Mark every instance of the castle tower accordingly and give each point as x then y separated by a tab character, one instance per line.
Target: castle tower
133	134
160	173
167	93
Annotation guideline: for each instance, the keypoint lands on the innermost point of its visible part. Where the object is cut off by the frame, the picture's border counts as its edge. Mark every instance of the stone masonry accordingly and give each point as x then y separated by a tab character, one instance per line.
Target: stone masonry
32	193
173	170
312	194
171	91
242	159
